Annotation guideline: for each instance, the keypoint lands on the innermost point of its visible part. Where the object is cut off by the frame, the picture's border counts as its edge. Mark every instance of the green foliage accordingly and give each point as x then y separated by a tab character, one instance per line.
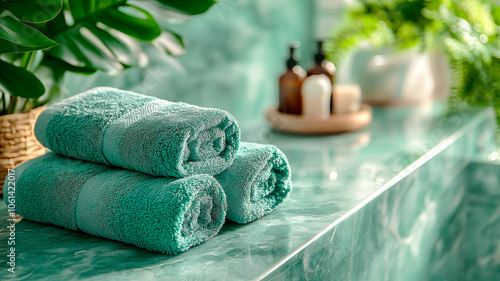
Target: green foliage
34	11
25	83
82	36
18	37
97	38
16	33
466	30
192	7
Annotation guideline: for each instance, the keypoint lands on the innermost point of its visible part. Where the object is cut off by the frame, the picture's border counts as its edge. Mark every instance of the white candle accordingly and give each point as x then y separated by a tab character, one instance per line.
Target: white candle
346	98
316	94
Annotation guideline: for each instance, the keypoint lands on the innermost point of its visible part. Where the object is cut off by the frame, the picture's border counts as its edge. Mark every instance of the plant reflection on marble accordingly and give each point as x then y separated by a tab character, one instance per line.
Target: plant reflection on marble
385	203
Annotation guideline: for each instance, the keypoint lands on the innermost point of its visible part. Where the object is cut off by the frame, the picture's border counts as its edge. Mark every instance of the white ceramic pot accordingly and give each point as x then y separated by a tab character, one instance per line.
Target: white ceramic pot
390	78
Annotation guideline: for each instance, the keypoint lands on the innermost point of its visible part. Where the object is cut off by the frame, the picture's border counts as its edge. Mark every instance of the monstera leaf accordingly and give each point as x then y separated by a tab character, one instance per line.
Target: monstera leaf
105	35
101	35
34	11
189	7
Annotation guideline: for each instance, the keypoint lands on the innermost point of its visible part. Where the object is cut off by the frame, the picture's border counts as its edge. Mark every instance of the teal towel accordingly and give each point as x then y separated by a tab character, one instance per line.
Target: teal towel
160	214
137	132
257	182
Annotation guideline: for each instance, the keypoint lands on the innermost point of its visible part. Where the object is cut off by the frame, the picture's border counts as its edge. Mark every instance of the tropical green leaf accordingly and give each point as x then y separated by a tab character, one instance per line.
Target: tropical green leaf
52	27
91	35
170	42
191	7
7	47
98	34
91	47
81	48
20	82
132	21
57	64
82	9
125	51
21	37
101	36
51	73
34	11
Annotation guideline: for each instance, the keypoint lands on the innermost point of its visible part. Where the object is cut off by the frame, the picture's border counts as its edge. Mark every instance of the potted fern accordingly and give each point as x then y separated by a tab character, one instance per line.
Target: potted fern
466	32
41	40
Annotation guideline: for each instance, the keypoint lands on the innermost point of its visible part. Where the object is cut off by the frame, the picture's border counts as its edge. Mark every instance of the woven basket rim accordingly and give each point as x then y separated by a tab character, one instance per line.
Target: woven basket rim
17	115
18	145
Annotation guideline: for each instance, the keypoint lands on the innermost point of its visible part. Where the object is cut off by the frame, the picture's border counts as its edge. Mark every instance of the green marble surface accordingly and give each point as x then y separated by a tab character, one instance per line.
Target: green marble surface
482	259
384	203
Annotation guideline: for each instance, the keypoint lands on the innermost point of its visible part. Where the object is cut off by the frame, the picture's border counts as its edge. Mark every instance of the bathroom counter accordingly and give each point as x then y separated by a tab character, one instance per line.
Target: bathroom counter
387	202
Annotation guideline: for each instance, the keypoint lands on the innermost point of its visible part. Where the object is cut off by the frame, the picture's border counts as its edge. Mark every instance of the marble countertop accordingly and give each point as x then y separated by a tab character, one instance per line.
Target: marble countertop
334	177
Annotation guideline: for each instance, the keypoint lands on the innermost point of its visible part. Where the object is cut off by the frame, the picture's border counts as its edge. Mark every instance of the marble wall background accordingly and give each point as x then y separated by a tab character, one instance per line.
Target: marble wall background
236	53
482	259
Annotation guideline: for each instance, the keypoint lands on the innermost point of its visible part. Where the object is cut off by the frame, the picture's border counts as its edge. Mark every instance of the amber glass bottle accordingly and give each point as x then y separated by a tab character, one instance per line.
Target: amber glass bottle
289	86
323	66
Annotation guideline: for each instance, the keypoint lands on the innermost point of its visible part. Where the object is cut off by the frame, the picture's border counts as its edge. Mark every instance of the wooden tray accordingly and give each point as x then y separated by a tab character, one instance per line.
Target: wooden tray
338	123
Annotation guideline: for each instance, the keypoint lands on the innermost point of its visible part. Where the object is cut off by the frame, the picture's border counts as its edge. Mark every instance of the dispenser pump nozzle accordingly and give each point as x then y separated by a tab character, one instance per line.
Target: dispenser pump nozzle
293	60
320	55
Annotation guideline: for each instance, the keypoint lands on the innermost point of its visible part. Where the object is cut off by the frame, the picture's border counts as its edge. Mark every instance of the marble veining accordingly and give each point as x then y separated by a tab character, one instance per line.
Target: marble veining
384	203
482	250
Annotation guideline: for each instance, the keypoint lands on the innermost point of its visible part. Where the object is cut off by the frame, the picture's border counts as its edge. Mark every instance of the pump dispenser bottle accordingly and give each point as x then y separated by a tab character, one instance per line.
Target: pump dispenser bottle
289	85
323	66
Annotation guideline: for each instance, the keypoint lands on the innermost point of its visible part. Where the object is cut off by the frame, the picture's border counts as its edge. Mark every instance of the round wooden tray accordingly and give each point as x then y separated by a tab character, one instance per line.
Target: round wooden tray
338	123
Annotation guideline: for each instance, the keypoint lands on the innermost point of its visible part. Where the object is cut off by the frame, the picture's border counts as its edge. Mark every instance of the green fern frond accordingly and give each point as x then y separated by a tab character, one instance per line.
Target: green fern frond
349	37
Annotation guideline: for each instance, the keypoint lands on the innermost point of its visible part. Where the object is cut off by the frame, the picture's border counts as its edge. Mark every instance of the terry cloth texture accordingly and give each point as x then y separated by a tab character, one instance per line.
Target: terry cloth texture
137	132
257	182
167	215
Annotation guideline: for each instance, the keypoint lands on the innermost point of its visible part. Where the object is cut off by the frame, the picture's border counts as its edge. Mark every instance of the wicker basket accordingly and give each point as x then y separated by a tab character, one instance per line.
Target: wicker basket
17	140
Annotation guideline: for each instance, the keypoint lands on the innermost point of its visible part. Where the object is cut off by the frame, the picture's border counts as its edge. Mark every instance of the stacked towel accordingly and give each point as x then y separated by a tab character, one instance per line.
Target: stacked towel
176	203
137	132
256	183
160	214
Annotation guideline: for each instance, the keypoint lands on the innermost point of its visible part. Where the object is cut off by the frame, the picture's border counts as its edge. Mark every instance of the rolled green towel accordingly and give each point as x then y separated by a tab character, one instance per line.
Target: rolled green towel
160	214
257	182
137	132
